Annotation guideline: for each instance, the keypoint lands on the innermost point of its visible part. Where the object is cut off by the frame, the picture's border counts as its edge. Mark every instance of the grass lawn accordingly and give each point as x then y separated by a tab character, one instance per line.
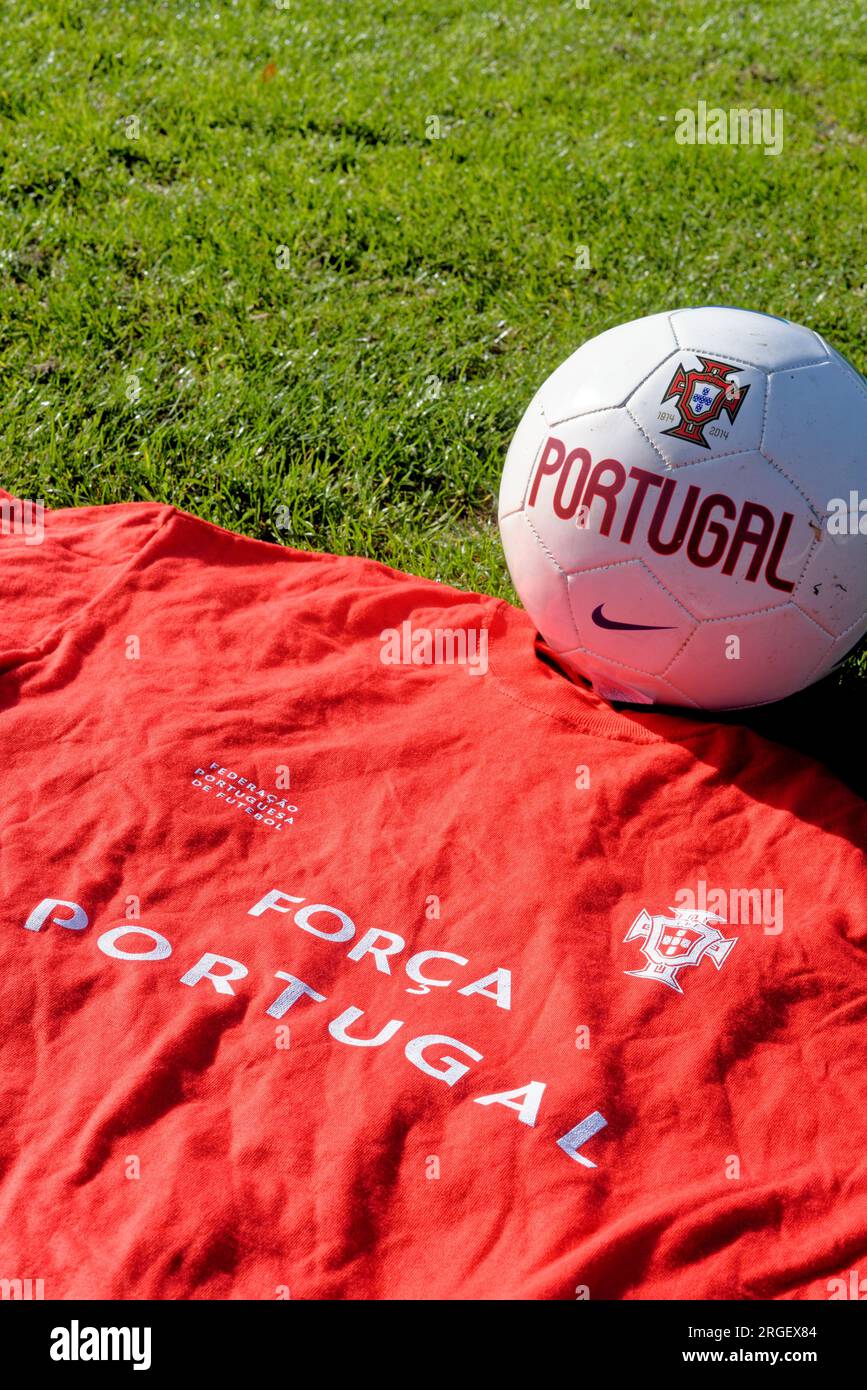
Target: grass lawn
299	270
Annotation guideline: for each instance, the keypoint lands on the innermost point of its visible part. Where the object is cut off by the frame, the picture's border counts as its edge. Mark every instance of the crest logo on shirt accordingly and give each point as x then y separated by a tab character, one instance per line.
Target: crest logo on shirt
670	944
701	397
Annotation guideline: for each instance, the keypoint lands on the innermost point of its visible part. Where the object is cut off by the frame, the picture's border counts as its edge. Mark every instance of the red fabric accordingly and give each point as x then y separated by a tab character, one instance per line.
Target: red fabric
323	1169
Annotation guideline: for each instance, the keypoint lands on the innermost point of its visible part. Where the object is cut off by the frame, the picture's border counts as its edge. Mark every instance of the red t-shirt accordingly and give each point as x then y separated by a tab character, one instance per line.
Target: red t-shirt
348	950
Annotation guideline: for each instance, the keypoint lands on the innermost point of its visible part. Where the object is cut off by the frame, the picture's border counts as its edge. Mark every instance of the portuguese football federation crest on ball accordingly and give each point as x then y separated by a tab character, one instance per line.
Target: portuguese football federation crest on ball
665	507
701	396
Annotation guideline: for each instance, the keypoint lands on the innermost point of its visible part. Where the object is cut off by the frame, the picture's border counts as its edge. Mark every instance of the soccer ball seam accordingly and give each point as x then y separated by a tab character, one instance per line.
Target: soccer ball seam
837	359
655	368
633	670
755	613
707	458
799	367
617	405
859	622
561	572
583	414
862	618
769	459
543	547
821	341
754	366
641	430
709	622
634	560
817	665
833	635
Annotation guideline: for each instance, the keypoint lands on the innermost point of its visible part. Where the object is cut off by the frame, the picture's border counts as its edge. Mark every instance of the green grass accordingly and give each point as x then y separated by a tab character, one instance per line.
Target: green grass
151	346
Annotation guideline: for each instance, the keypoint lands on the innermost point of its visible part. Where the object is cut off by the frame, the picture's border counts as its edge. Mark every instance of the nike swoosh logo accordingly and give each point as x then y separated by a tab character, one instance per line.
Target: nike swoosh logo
600	620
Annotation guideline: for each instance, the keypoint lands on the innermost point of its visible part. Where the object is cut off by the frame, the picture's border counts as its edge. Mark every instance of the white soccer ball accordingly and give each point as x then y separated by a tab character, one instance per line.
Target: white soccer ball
684	509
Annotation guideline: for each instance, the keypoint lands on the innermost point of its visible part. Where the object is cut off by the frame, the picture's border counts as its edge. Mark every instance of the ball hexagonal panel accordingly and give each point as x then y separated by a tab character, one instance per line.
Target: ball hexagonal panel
524	450
539	580
833	590
842	362
759	339
607	369
778	652
816	431
623	612
695	406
